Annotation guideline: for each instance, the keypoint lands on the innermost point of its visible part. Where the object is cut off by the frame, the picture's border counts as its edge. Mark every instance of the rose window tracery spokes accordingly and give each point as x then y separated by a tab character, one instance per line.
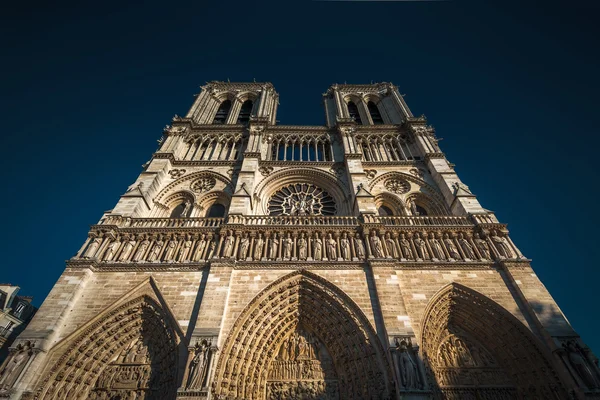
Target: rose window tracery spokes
301	199
203	184
399	186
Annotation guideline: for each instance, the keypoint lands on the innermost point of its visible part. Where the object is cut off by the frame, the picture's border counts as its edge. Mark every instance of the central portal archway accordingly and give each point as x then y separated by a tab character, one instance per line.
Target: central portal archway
302	338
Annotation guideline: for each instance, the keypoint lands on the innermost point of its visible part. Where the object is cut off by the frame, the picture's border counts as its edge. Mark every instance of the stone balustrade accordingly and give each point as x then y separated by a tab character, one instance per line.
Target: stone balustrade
441	220
265	220
176	222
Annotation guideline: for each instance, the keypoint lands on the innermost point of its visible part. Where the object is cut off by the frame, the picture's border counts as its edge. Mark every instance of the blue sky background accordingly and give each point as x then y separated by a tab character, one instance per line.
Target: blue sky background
511	86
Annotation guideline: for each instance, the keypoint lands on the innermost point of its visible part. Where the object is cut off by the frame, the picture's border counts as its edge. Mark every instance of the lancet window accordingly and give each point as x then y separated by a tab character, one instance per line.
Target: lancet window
384	148
301	148
245	112
222	112
214	147
375	114
353	111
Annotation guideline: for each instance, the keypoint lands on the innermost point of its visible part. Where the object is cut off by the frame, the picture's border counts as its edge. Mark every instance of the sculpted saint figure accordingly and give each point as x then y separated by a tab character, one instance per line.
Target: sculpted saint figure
200	246
359	246
184	251
452	250
288	242
391	246
91	250
345	246
156	249
482	246
258	247
421	247
302	247
436	247
127	249
112	249
466	246
408	367
186	209
502	245
331	247
141	250
170	253
376	245
211	250
228	246
405	246
244	244
413	207
199	366
318	247
14	365
274	247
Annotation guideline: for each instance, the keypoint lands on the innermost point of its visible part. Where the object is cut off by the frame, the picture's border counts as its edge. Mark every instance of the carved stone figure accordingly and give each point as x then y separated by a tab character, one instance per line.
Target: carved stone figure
452	250
287	244
274	247
186	209
331	247
170	253
436	247
405	246
244	244
112	249
409	371
302	249
482	246
141	250
200	246
186	248
359	246
156	249
345	246
317	247
199	366
501	245
421	247
391	246
14	365
93	247
211	249
466	246
376	245
258	247
413	207
228	246
129	244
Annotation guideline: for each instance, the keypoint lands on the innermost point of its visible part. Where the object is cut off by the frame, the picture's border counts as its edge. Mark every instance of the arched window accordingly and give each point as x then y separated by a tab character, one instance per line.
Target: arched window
245	111
216	211
375	114
353	111
222	112
384	211
421	210
182	210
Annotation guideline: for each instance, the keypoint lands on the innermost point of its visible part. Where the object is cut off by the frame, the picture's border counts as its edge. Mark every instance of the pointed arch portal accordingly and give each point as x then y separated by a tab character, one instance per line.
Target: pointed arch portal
302	337
475	349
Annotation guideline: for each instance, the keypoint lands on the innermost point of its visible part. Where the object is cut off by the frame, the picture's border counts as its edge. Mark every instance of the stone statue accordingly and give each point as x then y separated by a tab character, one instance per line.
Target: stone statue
501	245
127	249
112	249
200	246
302	250
228	246
318	247
170	253
258	247
91	250
211	250
14	365
482	246
466	246
452	250
413	207
409	371
287	244
156	249
345	246
405	246
391	246
141	250
244	244
184	251
274	247
376	245
199	366
331	247
436	247
359	246
421	247
186	209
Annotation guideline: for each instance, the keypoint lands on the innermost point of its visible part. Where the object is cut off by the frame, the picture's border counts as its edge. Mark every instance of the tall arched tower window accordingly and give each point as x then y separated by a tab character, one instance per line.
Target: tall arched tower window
353	111
375	114
216	211
245	112
222	112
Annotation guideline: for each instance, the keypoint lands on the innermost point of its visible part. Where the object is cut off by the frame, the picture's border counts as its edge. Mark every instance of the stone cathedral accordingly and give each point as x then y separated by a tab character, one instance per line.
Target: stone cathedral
252	260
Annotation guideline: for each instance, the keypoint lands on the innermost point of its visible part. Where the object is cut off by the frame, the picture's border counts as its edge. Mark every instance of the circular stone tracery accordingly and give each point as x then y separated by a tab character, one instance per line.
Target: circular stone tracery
203	184
399	186
301	199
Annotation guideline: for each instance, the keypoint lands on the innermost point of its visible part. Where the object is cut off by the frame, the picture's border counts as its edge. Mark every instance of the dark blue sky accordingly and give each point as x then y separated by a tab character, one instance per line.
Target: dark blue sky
511	86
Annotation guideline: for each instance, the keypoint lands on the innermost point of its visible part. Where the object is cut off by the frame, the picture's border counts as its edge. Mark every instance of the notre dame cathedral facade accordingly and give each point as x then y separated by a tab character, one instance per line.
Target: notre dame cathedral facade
252	260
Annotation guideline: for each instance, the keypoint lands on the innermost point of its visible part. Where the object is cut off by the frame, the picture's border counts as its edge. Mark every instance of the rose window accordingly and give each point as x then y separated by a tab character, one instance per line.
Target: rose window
203	184
301	199
399	186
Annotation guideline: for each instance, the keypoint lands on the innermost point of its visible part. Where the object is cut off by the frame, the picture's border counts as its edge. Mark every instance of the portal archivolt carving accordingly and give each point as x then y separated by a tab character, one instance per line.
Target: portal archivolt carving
131	353
476	349
302	338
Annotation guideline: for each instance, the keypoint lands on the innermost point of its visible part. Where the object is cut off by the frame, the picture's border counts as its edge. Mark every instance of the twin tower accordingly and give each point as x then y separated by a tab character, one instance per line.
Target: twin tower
252	260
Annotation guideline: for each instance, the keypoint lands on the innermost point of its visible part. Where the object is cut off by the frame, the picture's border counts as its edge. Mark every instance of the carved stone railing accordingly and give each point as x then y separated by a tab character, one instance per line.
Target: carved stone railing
175	222
442	220
293	220
484	218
